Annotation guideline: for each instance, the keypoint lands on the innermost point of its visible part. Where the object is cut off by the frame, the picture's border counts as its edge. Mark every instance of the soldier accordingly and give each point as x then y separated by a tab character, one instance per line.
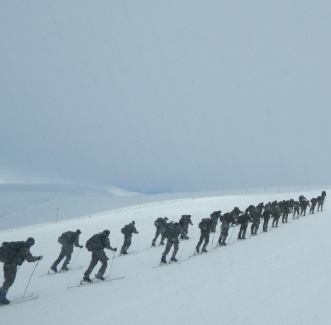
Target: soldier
13	254
303	207
68	240
313	205
236	212
214	217
256	218
320	202
205	226
285	210
260	207
296	206
266	216
172	231
227	219
184	222
243	220
127	231
275	214
96	244
160	224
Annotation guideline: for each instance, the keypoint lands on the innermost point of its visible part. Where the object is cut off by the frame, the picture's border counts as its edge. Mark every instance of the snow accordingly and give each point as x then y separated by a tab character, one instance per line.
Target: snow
278	277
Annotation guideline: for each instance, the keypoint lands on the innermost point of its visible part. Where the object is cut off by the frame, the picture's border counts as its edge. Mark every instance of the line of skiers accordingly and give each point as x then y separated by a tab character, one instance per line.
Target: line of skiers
173	231
13	254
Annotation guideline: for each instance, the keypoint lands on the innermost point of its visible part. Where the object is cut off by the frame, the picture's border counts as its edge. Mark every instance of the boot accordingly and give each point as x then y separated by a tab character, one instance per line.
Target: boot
173	259
153	243
3	299
204	249
162	242
223	243
53	268
64	267
100	276
86	278
163	259
197	249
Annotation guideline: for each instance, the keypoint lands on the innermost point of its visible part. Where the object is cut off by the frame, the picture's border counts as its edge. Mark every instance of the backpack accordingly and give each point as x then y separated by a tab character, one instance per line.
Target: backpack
94	243
126	230
157	223
169	230
8	250
65	238
204	224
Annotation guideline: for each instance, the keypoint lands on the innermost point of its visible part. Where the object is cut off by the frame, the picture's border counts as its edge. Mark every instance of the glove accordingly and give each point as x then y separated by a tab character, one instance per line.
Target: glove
115	249
39	258
81	246
137	232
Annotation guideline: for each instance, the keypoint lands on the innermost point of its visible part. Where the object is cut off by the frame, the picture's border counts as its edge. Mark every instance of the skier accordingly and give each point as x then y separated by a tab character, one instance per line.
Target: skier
96	244
13	254
275	213
320	202
205	226
184	222
214	217
296	208
313	205
172	231
68	240
256	218
227	219
243	220
127	231
160	224
266	216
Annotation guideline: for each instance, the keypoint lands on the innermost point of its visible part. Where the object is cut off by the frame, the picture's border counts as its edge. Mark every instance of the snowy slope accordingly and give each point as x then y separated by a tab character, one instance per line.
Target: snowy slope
279	277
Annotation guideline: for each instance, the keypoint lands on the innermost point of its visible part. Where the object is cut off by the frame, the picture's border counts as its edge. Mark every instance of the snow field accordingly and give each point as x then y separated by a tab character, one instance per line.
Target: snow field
279	277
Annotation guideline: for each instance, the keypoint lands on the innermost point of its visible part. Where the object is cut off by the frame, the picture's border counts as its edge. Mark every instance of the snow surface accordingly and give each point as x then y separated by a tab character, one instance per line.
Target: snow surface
279	277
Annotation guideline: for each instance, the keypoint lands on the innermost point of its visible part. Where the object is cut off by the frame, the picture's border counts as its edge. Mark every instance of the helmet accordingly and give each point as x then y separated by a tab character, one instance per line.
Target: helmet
133	222
30	241
78	232
106	232
166	218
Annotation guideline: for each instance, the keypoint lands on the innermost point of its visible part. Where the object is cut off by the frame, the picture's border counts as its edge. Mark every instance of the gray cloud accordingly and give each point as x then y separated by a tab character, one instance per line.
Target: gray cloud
157	96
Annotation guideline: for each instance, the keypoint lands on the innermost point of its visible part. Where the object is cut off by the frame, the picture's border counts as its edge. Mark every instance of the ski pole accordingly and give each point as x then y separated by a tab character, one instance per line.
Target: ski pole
180	257
76	257
211	245
111	265
137	242
232	233
30	277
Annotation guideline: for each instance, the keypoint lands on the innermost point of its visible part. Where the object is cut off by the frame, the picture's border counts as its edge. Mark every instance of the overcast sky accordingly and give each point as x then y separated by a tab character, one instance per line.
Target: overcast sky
163	96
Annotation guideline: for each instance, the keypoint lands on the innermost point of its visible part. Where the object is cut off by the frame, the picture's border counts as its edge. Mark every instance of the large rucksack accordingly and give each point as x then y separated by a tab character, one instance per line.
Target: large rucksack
204	224
94	243
126	230
169	230
65	238
158	222
8	250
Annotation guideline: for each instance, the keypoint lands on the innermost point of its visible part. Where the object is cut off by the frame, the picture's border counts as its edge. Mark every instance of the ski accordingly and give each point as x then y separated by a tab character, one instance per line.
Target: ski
203	253
95	281
169	263
23	299
50	272
129	253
